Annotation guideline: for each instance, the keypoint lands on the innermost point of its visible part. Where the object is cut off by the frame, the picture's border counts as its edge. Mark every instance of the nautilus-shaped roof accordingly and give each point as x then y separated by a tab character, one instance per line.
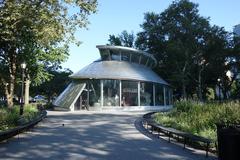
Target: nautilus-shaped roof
122	63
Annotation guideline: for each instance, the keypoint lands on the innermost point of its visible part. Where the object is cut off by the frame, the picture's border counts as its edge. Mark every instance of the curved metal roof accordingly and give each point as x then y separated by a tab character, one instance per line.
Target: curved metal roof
128	50
118	70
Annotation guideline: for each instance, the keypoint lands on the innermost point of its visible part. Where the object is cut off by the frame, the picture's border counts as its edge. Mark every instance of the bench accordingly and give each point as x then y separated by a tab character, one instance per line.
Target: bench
170	132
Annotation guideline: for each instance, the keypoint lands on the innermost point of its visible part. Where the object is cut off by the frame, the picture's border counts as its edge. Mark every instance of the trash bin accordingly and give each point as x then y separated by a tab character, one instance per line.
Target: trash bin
228	142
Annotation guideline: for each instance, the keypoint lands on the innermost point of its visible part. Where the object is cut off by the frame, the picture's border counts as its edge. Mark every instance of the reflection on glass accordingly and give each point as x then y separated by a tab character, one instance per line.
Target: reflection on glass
159	96
105	55
144	60
111	93
129	93
146	94
135	58
125	57
167	95
94	93
115	56
170	97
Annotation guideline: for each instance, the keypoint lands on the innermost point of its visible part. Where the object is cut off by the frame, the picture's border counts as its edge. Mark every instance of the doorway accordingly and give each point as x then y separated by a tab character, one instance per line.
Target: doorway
82	101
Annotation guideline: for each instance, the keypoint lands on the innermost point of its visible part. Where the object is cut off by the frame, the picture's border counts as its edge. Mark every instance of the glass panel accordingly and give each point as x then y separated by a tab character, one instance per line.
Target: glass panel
94	93
115	56
146	94
105	55
167	95
144	60
125	57
129	93
135	58
170	97
159	96
111	92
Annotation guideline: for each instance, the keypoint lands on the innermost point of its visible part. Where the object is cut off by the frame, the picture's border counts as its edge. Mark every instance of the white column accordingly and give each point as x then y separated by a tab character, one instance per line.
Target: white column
139	94
101	84
120	92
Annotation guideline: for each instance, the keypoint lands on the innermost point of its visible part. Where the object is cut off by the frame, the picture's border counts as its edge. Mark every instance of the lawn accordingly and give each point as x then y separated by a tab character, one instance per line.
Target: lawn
198	118
9	118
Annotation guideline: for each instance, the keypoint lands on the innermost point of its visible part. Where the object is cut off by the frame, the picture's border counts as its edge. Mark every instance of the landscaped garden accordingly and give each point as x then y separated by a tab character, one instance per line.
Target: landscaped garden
200	118
10	117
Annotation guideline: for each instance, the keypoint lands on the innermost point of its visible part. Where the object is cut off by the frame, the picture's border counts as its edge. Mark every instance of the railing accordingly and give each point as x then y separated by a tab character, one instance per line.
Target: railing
15	131
170	132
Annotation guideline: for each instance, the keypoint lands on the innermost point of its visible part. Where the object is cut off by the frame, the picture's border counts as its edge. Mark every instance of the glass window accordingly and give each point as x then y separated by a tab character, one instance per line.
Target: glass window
167	95
94	93
135	58
111	93
115	56
105	55
170	97
144	60
129	93
159	96
146	94
125	57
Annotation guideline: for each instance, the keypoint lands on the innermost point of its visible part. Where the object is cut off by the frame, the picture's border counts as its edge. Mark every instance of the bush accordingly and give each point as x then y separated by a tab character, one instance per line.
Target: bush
9	116
200	119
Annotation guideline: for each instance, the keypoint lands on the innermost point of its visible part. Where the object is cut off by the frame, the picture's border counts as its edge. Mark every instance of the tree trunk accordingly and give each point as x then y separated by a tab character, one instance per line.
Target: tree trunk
184	93
26	93
9	87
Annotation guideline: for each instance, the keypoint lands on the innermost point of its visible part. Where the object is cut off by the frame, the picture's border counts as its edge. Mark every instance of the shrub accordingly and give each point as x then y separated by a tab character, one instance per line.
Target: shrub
200	119
9	116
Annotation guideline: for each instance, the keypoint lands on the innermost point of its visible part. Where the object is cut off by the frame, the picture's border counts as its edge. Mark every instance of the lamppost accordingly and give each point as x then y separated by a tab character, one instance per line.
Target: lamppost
23	66
219	91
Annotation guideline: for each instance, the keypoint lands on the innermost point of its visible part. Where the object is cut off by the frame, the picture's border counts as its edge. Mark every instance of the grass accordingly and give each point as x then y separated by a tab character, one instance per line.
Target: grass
198	118
9	117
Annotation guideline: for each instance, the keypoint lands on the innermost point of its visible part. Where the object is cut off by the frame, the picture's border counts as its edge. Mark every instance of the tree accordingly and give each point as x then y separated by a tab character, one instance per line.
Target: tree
57	83
124	39
37	32
184	44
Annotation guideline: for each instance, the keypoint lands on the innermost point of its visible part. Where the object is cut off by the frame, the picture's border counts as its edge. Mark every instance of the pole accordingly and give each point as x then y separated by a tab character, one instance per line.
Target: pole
219	93
21	104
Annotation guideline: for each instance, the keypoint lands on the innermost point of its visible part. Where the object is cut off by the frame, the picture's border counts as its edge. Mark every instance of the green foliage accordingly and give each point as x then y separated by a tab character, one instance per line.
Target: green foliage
57	83
9	117
200	119
191	53
39	33
124	39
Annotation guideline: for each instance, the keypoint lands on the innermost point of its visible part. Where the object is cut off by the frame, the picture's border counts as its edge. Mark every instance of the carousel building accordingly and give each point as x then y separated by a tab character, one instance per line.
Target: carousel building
122	79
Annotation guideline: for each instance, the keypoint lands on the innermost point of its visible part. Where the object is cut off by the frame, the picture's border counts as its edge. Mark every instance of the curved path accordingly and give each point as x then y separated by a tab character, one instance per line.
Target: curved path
93	135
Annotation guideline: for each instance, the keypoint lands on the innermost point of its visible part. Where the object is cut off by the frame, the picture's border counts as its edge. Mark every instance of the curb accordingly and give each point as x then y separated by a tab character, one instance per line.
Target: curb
15	131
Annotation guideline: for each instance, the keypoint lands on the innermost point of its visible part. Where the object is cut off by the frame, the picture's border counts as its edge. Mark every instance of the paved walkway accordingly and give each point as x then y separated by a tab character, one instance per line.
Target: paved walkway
93	135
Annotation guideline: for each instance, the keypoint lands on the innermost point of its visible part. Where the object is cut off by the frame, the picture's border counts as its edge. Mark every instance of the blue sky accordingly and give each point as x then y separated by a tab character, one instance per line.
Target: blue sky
114	16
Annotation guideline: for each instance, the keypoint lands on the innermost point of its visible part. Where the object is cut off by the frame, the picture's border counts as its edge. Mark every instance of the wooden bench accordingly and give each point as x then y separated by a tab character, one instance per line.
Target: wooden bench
170	132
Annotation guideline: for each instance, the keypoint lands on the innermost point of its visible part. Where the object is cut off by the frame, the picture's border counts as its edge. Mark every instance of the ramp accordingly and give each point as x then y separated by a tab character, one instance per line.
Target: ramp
69	95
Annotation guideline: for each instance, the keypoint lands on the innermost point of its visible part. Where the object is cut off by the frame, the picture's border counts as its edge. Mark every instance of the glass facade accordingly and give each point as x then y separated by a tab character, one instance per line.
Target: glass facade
94	93
111	92
159	95
146	94
129	93
103	84
115	56
105	55
125	57
135	58
123	93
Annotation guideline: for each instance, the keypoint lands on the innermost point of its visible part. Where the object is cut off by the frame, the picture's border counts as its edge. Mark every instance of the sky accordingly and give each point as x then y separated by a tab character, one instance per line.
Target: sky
114	16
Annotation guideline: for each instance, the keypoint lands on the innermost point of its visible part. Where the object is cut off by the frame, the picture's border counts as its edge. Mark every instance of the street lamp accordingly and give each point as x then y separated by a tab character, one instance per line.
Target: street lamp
23	66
